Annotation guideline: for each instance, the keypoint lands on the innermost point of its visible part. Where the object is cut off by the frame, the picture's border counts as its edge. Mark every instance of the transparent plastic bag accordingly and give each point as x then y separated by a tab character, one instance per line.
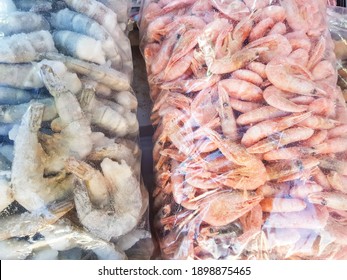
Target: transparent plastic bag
250	145
70	156
338	27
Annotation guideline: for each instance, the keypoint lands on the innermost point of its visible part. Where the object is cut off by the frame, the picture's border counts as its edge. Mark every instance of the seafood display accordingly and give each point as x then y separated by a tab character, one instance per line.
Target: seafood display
337	24
70	176
250	145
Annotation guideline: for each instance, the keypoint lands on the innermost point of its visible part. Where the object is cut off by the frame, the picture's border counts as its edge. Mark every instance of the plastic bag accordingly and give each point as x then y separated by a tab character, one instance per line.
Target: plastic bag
250	144
70	179
338	27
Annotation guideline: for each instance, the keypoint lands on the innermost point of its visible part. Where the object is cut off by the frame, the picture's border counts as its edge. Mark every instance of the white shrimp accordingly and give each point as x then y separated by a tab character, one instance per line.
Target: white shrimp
69	20
109	77
6	196
30	188
23	76
22	22
20	48
125	209
26	224
79	46
108	19
115	120
14	113
12	96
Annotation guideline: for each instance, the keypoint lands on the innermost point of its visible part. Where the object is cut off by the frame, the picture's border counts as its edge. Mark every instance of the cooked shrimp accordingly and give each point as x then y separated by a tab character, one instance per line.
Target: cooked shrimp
249	76
338	181
333	200
303	190
222	208
268	127
240	89
277	99
274	204
260	114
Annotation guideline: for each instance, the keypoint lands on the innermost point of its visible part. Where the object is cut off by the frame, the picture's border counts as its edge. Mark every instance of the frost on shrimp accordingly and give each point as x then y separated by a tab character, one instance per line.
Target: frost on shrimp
22	22
21	48
69	20
6	196
31	189
124	211
79	46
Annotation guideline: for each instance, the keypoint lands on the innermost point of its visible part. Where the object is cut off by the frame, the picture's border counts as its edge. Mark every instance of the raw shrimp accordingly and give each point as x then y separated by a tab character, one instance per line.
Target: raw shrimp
23	76
107	76
22	22
13	96
30	188
21	225
114	121
6	196
107	18
79	46
14	113
20	48
123	212
69	20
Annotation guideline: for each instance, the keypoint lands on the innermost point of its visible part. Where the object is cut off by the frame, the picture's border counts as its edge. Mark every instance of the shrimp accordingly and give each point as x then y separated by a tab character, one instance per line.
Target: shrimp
34	6
240	89
14	113
279	28
124	211
21	225
275	98
332	145
75	125
268	127
338	181
14	96
283	138
244	106
260	114
79	46
249	76
261	28
21	48
290	153
114	121
233	9
286	75
22	22
30	188
332	200
113	79
274	204
107	18
302	191
69	20
315	218
236	61
6	196
222	208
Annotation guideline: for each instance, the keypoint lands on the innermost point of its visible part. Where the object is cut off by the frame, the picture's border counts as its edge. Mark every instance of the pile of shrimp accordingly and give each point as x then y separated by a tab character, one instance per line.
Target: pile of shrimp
69	133
250	147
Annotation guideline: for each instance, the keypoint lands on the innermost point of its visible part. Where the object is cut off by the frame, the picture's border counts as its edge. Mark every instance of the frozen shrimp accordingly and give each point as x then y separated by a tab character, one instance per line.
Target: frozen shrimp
69	20
22	22
107	76
14	113
13	96
79	46
6	196
122	214
23	76
20	48
31	189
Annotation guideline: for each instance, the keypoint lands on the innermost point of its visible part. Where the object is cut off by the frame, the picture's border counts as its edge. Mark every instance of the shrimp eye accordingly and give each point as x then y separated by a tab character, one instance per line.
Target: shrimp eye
324	202
178	36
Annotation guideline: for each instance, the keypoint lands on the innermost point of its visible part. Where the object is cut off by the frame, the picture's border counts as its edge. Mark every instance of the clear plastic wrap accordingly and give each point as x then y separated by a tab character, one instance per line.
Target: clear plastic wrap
338	27
70	178
250	146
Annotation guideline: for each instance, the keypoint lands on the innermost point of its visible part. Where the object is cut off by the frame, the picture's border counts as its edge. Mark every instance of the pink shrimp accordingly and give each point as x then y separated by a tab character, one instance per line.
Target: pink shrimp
302	191
260	114
333	200
261	28
249	76
332	145
277	99
240	89
300	56
337	181
290	153
268	127
279	28
244	106
317	138
274	204
258	68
